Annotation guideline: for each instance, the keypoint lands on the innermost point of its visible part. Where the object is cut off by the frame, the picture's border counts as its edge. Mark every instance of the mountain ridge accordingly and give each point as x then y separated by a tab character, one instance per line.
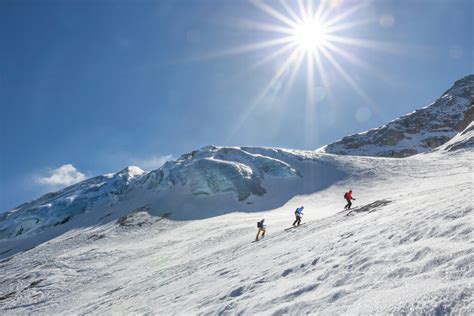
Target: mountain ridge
419	131
213	180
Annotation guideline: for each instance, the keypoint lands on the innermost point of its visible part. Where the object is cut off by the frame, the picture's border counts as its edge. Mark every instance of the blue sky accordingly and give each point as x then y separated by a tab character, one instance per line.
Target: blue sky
89	87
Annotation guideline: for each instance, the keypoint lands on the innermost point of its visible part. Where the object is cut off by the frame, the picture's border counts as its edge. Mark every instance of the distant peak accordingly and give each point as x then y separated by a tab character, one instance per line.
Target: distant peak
468	80
132	171
209	148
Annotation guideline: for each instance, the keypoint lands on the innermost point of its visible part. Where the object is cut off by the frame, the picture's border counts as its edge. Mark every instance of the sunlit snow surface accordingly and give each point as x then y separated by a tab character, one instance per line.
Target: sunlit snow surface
410	252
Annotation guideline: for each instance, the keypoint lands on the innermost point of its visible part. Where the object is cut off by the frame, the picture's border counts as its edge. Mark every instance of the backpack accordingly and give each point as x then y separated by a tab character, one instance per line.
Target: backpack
259	225
345	195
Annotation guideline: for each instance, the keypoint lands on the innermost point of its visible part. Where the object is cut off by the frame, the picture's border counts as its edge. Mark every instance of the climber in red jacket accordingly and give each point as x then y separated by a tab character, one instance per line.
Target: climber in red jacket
348	197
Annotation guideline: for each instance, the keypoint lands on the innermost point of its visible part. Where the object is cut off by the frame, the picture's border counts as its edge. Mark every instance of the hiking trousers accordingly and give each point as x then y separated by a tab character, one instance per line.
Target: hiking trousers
260	230
348	205
297	221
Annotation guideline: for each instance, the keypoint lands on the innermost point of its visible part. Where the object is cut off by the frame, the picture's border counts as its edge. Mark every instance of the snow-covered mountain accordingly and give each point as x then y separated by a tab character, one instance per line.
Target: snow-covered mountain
59	207
204	183
416	132
177	240
406	248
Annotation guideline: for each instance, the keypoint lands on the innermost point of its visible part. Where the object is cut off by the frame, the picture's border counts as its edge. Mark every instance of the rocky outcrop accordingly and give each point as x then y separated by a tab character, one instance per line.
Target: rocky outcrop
416	132
468	118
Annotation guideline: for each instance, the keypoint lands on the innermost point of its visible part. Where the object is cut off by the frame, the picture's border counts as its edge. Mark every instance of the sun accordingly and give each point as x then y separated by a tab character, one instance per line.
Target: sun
310	35
314	38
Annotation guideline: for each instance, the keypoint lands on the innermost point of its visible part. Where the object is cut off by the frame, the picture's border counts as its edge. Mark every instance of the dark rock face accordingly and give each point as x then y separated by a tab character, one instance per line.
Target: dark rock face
416	132
468	118
435	141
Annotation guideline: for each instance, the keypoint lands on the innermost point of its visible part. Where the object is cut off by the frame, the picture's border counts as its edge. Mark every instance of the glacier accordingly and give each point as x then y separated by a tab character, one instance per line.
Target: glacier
238	175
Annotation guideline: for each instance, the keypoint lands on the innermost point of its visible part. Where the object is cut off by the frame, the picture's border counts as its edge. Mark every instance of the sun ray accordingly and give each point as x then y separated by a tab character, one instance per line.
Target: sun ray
291	78
303	13
309	9
281	70
254	25
319	12
346	76
271	11
357	61
321	70
310	99
290	11
352	83
277	76
345	26
388	47
244	48
324	79
269	58
310	78
346	14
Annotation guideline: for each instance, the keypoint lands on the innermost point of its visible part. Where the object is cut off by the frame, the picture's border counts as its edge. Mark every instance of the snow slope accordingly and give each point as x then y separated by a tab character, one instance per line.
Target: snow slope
407	248
216	180
178	240
463	140
416	132
208	182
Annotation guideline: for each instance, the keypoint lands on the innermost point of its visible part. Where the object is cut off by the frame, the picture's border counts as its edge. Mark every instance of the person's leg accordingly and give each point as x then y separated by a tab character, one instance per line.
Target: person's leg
294	223
258	233
349	203
299	220
263	232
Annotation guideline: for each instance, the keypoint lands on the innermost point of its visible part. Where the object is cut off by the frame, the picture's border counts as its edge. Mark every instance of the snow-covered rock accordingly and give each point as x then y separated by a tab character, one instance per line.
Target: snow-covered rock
462	141
416	132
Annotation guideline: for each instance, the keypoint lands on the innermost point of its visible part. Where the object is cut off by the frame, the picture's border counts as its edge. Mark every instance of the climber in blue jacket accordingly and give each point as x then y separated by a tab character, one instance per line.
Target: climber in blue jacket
299	215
